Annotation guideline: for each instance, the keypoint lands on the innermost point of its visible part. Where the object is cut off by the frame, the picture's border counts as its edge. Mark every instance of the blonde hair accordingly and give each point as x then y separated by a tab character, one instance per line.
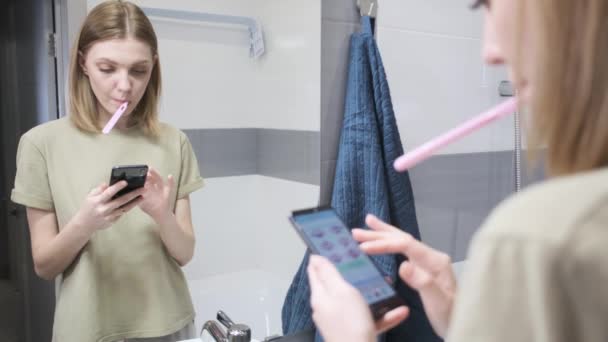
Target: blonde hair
114	19
569	107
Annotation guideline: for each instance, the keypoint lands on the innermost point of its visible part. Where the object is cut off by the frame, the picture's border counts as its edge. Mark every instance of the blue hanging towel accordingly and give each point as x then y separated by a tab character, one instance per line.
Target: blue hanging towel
365	182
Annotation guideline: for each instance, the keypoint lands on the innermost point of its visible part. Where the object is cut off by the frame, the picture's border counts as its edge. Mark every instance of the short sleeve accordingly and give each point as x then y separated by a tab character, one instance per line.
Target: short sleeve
510	292
32	187
190	179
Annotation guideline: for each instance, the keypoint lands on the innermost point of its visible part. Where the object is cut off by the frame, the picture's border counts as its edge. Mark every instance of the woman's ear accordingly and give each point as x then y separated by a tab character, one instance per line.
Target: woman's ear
81	63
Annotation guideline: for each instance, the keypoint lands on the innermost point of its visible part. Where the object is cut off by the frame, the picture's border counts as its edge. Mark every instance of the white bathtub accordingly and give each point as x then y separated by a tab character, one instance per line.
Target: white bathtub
246	250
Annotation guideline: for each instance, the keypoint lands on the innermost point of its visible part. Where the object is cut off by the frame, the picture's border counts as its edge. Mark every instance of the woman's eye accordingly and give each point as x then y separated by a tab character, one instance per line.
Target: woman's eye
479	3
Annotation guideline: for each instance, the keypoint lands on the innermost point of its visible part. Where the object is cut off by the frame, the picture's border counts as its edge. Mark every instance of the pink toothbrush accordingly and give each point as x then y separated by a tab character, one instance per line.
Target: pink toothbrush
427	149
115	118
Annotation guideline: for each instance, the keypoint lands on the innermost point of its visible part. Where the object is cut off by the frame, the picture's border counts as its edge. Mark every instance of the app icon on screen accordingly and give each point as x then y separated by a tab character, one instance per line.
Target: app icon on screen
318	233
335	258
354	253
326	245
344	241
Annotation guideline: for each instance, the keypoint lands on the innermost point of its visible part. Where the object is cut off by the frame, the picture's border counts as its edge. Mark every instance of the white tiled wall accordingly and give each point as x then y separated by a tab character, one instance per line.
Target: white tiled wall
432	55
209	80
447	17
241	224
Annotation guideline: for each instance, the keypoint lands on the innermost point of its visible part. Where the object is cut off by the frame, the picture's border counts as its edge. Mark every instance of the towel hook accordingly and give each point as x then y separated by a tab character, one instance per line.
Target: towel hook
368	7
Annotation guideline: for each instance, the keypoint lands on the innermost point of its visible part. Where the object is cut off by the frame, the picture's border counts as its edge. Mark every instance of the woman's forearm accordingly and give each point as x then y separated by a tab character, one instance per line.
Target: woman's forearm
178	241
53	257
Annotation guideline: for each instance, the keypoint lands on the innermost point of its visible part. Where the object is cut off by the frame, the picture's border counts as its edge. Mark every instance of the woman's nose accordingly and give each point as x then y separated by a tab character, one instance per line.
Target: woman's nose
491	51
123	84
491	55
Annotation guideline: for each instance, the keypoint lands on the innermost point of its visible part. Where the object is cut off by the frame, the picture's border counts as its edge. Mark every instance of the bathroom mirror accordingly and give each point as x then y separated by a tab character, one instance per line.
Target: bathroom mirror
265	129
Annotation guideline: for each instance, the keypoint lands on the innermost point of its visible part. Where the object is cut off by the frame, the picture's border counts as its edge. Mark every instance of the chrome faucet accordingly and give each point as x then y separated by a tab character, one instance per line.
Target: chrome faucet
214	330
235	332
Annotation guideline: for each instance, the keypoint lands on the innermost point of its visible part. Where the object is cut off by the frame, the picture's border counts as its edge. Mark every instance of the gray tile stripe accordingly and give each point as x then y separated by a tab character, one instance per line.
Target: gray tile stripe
286	154
454	193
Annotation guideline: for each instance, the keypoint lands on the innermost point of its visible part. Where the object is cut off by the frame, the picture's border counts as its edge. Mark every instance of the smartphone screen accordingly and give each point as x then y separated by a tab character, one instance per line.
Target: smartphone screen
134	175
327	235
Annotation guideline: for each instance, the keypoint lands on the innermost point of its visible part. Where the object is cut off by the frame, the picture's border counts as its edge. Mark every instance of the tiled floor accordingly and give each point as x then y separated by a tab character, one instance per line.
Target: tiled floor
8	300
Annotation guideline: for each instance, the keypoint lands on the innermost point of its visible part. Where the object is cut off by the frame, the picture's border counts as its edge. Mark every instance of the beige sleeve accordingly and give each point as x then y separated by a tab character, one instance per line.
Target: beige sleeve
511	291
190	179
32	187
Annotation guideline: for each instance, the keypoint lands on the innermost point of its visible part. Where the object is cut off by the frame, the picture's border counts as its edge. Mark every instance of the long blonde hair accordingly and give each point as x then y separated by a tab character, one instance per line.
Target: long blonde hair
569	108
113	19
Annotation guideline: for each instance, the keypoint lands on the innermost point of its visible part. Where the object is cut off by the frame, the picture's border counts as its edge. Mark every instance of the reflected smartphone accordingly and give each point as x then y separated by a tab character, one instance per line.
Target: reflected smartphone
325	234
135	175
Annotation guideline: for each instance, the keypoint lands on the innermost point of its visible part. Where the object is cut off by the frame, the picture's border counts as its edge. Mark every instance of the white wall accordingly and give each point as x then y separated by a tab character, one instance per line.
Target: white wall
211	82
432	54
241	224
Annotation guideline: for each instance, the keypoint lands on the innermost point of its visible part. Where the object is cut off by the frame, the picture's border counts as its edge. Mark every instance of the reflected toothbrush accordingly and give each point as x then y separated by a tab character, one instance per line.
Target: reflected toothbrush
427	149
108	127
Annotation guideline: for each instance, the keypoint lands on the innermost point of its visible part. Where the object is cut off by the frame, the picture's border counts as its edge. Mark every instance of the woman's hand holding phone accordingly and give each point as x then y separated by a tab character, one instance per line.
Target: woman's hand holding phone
157	195
99	210
428	271
339	310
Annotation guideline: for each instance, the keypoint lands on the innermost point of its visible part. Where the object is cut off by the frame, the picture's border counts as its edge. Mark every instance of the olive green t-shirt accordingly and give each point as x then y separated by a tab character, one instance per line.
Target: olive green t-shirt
538	268
123	283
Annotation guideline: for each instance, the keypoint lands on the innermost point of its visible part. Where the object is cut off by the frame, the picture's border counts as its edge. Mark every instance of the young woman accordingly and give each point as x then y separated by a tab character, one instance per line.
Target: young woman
537	268
120	259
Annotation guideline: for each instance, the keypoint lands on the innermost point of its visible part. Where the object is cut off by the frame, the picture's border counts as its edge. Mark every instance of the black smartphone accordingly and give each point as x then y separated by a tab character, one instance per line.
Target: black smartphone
135	175
325	234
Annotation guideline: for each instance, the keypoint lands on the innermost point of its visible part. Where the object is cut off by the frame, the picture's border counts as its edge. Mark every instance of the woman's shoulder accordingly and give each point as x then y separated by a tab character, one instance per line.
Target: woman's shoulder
40	134
171	132
552	211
